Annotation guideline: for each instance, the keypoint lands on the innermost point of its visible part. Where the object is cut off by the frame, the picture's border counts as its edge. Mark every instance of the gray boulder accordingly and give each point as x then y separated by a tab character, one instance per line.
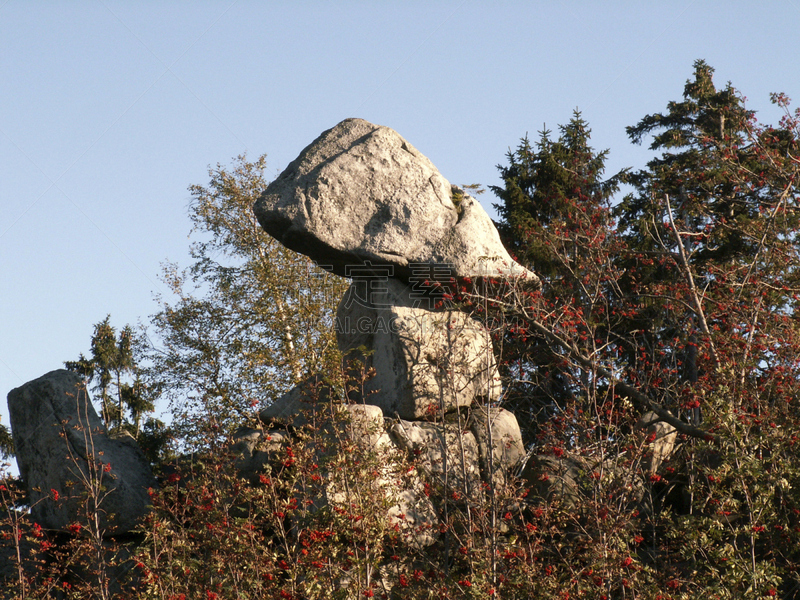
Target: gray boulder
360	428
423	359
443	452
361	424
663	436
361	197
254	450
561	479
349	428
312	404
499	442
64	450
570	479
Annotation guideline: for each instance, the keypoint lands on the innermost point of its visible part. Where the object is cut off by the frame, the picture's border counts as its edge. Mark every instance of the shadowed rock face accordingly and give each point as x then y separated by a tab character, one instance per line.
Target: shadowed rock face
63	447
362	194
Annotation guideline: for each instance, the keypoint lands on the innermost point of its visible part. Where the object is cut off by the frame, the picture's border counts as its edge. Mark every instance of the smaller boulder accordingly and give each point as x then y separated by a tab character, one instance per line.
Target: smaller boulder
69	463
499	441
663	436
414	515
443	452
409	511
422	359
349	428
254	450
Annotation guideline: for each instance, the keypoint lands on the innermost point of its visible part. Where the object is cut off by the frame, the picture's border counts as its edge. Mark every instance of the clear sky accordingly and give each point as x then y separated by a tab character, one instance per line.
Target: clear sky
109	110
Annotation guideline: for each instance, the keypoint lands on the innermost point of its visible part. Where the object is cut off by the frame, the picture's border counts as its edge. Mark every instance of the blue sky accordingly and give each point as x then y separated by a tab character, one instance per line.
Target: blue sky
110	110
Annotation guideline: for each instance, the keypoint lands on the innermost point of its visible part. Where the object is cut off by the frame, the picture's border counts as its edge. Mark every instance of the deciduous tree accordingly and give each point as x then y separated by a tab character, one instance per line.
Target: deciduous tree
248	318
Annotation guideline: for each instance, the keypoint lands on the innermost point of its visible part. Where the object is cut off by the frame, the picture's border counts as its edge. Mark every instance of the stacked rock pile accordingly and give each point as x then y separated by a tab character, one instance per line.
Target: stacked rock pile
364	203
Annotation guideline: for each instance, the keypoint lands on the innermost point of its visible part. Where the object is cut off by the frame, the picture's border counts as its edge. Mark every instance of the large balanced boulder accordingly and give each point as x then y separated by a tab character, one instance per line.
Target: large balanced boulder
67	460
412	361
361	194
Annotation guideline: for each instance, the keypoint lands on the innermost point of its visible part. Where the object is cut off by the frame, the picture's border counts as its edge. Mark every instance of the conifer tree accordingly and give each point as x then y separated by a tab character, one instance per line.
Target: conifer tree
6	442
698	138
113	368
712	230
555	218
555	202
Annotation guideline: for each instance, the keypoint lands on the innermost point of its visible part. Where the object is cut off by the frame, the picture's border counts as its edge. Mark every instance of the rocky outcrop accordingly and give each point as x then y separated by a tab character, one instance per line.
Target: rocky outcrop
254	450
363	201
423	362
359	428
360	197
417	426
454	457
67	460
447	454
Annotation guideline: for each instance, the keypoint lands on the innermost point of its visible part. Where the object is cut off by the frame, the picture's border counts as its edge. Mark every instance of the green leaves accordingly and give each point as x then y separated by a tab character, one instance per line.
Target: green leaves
249	318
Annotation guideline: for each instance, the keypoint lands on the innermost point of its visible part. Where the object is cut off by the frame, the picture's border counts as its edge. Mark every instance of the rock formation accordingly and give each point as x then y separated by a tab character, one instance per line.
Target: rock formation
663	437
66	456
423	410
499	441
447	454
361	197
423	401
363	201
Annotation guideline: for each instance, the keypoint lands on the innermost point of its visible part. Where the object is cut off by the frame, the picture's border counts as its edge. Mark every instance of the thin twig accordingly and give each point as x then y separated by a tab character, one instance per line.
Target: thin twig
641	399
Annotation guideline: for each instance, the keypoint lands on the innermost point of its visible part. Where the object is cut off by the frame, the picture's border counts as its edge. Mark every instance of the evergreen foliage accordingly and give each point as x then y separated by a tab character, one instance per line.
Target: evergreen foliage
117	383
6	442
555	216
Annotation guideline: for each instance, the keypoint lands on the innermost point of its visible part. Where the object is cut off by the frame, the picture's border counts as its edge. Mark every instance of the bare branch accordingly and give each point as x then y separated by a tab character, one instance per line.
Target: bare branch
644	402
698	305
